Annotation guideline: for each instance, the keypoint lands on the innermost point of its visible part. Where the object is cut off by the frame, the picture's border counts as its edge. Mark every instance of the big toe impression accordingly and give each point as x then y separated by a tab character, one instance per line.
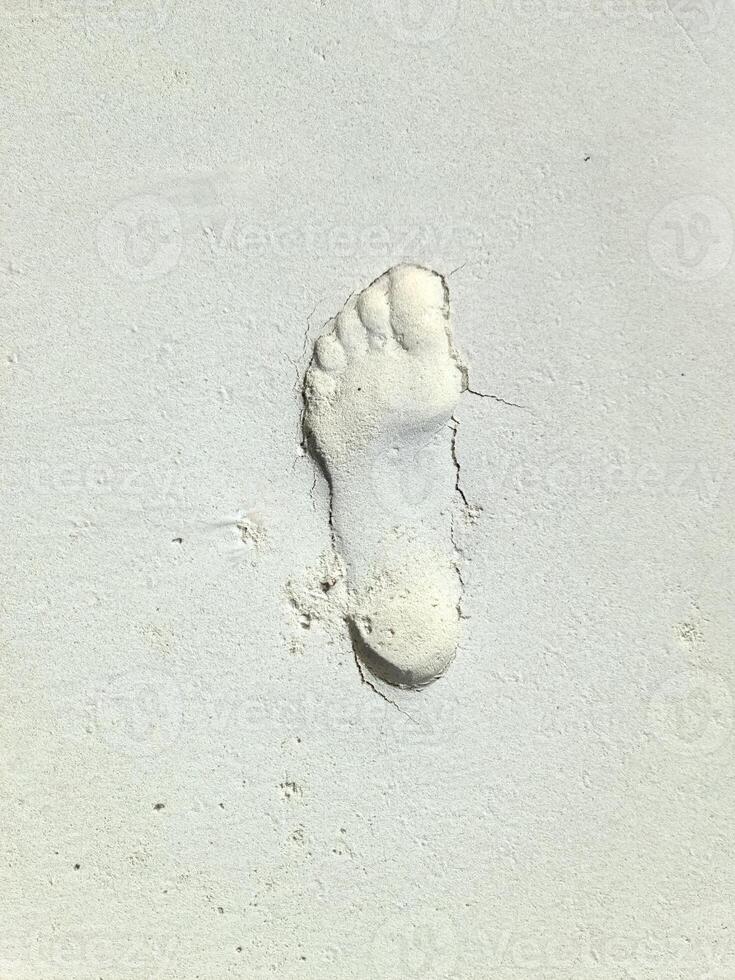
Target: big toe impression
419	309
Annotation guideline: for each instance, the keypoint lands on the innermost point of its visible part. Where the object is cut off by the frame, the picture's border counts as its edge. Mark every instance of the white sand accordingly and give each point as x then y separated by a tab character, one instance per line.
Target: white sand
195	781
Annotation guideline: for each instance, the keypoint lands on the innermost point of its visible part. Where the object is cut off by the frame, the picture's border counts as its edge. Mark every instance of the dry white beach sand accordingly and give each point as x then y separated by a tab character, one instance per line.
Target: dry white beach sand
456	702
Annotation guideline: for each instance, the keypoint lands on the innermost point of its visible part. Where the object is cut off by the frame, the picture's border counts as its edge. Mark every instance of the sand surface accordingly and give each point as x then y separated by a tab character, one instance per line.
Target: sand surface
195	780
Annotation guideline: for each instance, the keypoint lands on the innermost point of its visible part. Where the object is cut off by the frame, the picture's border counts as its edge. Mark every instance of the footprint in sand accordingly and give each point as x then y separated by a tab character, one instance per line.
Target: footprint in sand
379	395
